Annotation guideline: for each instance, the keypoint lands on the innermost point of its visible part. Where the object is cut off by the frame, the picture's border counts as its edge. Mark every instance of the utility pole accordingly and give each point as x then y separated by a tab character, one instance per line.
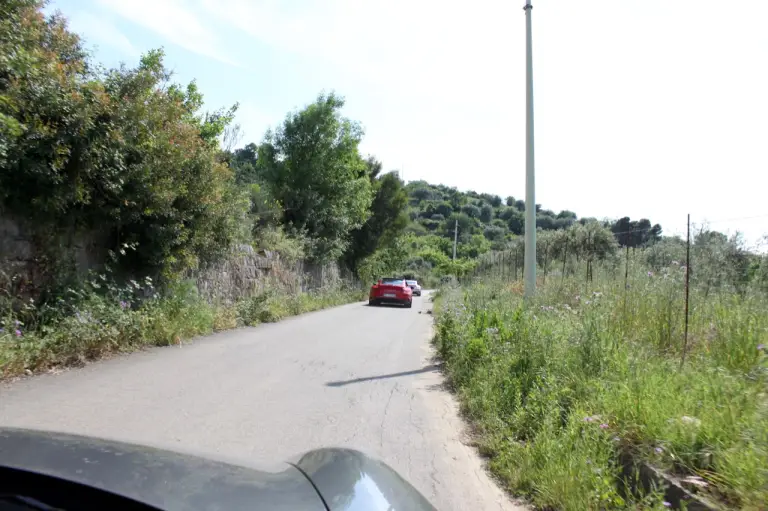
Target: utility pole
455	237
530	185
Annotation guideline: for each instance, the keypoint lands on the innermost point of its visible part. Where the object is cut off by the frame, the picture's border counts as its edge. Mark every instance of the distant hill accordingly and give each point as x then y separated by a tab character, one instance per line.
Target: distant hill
435	209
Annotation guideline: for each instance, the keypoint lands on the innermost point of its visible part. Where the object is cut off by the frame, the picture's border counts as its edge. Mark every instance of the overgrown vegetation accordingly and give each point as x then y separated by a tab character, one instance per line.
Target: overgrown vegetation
486	223
561	388
125	162
103	319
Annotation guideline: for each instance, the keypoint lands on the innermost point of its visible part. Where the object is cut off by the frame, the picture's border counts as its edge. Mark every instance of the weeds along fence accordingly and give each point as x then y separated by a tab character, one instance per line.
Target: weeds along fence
713	260
606	368
680	283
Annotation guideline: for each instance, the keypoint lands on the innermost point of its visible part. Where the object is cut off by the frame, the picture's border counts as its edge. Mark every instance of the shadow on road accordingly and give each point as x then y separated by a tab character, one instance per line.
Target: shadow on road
431	367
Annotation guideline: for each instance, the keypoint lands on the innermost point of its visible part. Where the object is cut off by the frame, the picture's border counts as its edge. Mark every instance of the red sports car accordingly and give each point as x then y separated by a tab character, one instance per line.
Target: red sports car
391	290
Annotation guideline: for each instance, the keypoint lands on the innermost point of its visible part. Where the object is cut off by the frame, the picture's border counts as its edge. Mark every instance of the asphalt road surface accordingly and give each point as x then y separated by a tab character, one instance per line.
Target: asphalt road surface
353	376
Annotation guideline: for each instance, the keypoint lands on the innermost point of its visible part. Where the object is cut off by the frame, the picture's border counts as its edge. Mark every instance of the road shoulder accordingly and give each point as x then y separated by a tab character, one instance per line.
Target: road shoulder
459	459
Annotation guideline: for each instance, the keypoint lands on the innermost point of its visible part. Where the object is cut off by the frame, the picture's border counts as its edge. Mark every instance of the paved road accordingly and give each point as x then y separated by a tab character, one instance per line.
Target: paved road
354	376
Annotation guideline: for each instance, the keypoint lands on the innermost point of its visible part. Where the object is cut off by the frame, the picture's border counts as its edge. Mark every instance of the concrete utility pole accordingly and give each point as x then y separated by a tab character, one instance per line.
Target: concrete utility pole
455	237
530	183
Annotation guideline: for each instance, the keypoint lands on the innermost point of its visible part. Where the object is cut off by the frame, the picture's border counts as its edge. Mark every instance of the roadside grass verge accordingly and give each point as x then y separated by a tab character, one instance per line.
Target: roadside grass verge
91	325
559	389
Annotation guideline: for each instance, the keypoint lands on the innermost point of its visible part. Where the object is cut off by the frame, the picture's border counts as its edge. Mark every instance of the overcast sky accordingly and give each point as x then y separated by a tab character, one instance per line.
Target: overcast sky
644	108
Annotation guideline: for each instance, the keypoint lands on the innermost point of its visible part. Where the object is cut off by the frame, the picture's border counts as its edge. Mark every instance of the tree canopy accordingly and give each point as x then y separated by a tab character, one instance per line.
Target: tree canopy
124	152
132	156
312	166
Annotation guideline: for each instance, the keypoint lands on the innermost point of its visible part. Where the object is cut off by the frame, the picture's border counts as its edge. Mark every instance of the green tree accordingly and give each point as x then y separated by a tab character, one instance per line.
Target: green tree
545	222
166	190
124	154
465	223
471	210
635	233
476	246
494	233
719	261
445	209
51	106
486	213
313	168
516	223
388	217
243	163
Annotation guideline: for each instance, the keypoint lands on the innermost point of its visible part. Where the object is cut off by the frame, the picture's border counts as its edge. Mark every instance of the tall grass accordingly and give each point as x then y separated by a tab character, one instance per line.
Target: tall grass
560	388
88	325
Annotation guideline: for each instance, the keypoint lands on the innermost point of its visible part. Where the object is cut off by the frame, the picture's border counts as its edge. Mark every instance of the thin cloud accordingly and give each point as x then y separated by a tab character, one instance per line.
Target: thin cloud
100	32
426	48
177	21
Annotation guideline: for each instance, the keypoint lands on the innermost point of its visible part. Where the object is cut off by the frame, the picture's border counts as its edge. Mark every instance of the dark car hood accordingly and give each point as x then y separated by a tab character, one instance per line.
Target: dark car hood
342	479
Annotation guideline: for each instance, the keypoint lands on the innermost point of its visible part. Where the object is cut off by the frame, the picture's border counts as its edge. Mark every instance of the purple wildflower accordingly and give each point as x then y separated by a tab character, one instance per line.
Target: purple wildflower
666	504
659	450
588	419
760	347
603	426
17	322
650	274
124	305
18	333
2	330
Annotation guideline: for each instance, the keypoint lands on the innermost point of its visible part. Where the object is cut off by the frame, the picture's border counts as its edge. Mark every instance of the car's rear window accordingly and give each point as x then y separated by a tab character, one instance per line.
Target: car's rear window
411	282
392	282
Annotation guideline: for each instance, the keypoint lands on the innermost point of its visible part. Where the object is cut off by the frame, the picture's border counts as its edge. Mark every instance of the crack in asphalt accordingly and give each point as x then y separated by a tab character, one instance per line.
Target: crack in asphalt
418	428
433	475
384	416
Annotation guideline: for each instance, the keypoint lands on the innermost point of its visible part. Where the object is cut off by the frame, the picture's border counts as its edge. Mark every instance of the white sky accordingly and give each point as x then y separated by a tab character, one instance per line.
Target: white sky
644	108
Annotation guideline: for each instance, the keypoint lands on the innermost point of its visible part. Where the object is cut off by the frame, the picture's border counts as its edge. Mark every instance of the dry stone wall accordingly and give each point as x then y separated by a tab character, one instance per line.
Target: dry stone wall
24	268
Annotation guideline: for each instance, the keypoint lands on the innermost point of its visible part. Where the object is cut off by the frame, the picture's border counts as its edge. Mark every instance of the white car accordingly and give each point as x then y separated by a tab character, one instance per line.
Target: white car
415	287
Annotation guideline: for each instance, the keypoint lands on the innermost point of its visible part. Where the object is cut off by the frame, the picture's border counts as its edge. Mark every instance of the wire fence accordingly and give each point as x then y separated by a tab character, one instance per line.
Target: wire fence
720	259
692	274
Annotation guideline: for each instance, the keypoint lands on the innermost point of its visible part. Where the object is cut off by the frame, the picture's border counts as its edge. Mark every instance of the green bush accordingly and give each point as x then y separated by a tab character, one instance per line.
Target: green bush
123	156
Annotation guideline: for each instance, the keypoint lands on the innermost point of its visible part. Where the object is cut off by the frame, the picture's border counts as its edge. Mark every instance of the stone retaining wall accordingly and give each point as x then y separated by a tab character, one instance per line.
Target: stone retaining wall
24	270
